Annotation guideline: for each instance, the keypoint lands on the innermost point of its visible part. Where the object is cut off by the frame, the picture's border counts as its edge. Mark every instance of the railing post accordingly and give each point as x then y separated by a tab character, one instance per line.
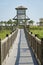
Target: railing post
31	39
0	51
42	51
8	44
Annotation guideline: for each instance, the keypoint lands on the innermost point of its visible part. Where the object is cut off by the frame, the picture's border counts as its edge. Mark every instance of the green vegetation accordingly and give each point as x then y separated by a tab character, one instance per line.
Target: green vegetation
36	27
3	33
8	27
21	26
37	30
31	22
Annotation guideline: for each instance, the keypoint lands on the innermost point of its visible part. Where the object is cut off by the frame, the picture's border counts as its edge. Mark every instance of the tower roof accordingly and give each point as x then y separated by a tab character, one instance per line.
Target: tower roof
20	7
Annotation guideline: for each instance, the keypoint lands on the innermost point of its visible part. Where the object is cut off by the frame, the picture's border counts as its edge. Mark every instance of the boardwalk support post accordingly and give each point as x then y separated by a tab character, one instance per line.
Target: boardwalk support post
42	51
0	51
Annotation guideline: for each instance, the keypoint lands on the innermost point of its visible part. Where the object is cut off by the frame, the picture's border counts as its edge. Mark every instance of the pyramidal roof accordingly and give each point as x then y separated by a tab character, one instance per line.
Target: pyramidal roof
20	7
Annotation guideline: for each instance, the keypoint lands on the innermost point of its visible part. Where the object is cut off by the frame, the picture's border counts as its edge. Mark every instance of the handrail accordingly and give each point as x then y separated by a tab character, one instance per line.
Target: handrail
36	45
6	44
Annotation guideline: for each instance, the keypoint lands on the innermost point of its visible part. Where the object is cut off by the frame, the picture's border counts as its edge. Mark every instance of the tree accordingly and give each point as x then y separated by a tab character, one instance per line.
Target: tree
10	23
1	25
5	22
15	22
31	22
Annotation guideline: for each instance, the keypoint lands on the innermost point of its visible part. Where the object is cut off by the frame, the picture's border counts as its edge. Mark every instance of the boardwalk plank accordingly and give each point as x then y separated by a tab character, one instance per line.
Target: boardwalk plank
24	56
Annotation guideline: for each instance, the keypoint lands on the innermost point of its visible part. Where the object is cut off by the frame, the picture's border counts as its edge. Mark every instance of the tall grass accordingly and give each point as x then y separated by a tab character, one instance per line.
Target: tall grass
37	30
3	33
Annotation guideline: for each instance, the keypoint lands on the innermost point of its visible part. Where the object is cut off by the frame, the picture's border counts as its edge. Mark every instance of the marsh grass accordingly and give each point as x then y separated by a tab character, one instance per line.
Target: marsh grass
3	33
37	30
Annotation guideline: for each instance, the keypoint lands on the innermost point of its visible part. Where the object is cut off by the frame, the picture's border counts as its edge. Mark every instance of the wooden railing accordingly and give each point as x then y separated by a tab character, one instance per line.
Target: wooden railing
6	44
36	45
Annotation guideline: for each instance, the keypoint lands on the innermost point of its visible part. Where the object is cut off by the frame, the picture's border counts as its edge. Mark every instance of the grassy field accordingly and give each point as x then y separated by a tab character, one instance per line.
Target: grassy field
37	30
3	33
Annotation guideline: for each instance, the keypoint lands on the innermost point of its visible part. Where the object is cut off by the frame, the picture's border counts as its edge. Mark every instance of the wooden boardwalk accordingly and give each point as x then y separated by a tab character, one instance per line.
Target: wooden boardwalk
20	54
25	55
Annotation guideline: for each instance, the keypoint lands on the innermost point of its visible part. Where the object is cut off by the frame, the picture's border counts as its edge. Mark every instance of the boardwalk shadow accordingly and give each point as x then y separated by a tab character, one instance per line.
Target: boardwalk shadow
32	54
18	53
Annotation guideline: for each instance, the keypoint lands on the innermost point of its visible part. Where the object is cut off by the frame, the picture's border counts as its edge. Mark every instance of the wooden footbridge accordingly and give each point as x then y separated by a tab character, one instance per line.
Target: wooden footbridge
19	51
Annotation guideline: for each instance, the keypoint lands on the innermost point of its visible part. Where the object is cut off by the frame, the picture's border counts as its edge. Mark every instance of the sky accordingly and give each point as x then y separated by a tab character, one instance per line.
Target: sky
34	11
